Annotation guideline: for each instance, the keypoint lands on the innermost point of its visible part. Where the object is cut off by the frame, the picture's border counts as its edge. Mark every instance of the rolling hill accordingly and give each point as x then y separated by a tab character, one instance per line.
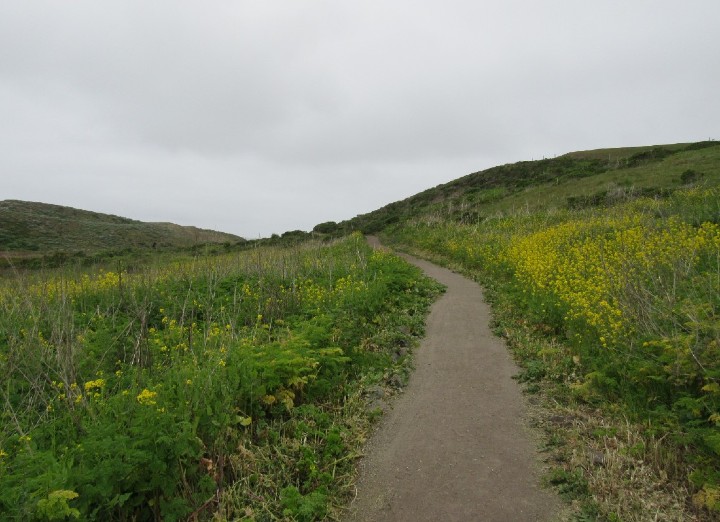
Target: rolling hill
573	180
602	268
577	179
29	228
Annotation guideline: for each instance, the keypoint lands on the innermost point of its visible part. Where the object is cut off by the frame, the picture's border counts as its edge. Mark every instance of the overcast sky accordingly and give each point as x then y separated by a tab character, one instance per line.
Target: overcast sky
262	116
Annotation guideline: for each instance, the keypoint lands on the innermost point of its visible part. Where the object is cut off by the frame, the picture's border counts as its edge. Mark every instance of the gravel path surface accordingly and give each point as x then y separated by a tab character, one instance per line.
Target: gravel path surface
454	446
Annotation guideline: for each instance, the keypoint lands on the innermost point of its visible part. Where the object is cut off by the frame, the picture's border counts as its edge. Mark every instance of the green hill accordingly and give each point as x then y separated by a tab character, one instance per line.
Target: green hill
586	178
603	271
28	229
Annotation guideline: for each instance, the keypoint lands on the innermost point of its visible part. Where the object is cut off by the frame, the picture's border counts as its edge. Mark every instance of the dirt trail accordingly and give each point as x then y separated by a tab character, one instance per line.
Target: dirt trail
454	447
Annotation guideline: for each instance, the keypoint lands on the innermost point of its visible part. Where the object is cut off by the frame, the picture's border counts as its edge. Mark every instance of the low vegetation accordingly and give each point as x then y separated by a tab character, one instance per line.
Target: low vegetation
615	316
226	386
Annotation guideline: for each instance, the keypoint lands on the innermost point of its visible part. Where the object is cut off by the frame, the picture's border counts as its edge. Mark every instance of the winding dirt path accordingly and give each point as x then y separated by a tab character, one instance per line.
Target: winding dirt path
454	447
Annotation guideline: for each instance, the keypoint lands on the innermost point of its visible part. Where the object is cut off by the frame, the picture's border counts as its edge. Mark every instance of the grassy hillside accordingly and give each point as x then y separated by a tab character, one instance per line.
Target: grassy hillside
572	180
27	228
603	268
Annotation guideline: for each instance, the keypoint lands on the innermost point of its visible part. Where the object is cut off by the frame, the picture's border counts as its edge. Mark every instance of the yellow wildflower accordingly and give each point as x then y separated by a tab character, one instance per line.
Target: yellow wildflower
98	384
146	397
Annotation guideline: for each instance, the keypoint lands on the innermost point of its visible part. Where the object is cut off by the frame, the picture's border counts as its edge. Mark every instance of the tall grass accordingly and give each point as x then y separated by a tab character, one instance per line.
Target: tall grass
226	384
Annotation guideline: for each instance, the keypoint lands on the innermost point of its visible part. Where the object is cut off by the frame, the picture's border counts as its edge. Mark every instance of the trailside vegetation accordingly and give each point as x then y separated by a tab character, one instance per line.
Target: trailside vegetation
615	312
225	386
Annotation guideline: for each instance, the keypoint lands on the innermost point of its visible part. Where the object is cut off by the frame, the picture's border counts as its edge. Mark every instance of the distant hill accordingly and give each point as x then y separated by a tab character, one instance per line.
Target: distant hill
572	180
28	228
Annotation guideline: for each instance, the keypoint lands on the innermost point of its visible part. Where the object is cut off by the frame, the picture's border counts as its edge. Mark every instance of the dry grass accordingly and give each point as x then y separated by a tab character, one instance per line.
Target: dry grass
627	473
629	476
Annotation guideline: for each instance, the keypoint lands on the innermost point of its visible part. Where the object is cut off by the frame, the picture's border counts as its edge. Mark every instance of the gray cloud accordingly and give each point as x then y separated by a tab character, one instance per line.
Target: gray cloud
259	117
